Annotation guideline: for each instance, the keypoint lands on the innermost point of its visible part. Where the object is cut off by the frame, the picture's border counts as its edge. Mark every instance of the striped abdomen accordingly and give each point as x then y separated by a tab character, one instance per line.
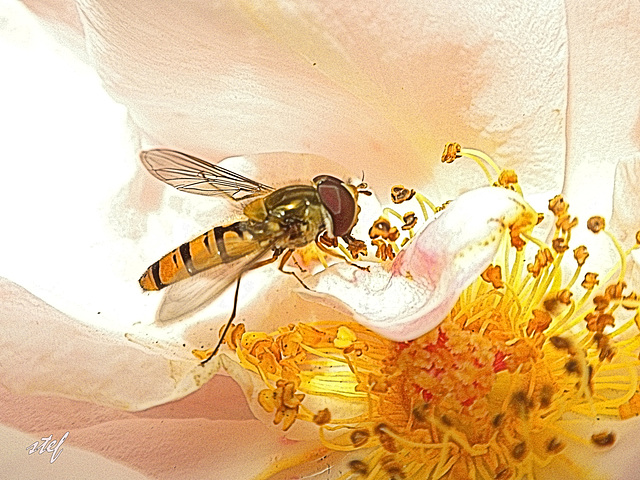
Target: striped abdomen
215	247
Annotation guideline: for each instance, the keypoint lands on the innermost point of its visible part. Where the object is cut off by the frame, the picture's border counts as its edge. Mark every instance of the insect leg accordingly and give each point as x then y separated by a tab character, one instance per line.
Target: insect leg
228	325
302	270
275	256
340	256
284	260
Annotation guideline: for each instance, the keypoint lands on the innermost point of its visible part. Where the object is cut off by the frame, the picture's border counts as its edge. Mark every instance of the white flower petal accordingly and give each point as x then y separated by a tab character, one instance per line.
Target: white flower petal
189	438
625	221
497	81
368	85
603	100
426	278
46	352
70	462
618	462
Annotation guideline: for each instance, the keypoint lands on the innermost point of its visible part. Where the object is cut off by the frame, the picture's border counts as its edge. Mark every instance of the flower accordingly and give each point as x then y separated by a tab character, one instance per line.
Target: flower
494	389
185	72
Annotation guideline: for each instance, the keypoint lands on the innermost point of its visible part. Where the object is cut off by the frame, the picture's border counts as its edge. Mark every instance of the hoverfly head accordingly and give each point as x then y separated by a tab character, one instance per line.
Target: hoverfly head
341	201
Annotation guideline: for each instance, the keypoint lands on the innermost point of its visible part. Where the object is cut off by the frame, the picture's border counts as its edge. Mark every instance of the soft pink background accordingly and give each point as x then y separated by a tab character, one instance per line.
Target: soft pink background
549	88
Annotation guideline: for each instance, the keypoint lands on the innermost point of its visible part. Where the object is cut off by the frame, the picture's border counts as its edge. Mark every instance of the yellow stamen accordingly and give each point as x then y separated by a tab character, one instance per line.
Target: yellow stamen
494	392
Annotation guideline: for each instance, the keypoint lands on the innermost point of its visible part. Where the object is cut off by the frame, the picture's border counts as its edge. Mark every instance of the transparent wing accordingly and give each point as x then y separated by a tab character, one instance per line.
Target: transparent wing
194	175
193	294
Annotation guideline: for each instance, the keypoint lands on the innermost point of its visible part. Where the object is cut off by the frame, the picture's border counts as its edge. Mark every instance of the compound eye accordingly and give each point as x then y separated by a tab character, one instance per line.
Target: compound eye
339	201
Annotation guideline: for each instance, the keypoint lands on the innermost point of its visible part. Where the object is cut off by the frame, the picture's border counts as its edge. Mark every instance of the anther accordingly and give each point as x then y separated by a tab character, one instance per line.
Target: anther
493	275
498	420
595	224
322	417
519	451
507	177
561	343
558	206
539	323
572	366
410	220
560	245
581	254
615	291
546	396
359	437
451	151
420	411
401	194
603	439
590	281
359	467
554	445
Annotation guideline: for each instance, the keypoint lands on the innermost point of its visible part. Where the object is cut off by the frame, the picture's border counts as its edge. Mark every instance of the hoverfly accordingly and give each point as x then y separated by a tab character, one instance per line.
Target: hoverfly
278	221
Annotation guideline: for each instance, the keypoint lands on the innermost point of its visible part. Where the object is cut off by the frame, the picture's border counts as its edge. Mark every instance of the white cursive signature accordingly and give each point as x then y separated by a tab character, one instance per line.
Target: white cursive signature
53	448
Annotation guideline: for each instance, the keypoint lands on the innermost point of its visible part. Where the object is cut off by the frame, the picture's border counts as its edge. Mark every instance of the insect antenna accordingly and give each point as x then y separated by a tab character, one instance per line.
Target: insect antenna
363	188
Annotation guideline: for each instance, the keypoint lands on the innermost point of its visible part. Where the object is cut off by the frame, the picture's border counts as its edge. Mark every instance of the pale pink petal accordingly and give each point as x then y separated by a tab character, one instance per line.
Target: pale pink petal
370	86
625	221
43	351
489	76
619	462
425	280
162	65
603	100
61	20
603	104
210	434
70	461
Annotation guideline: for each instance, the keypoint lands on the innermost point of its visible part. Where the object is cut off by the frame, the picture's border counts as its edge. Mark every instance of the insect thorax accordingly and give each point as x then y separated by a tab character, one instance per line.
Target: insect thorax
294	214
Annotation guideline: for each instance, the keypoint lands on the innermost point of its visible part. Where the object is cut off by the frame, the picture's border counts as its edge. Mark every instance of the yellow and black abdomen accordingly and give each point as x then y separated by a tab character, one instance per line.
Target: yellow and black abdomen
215	247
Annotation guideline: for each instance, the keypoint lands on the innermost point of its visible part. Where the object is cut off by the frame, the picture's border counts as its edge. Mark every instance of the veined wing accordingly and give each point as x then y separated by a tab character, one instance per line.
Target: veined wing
194	175
193	294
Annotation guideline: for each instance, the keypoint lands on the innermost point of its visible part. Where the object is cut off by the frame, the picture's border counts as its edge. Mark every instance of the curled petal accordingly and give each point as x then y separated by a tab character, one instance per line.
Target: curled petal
425	280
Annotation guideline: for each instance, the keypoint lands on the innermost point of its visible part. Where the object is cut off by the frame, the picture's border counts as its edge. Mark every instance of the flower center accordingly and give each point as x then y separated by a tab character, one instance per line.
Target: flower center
491	393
